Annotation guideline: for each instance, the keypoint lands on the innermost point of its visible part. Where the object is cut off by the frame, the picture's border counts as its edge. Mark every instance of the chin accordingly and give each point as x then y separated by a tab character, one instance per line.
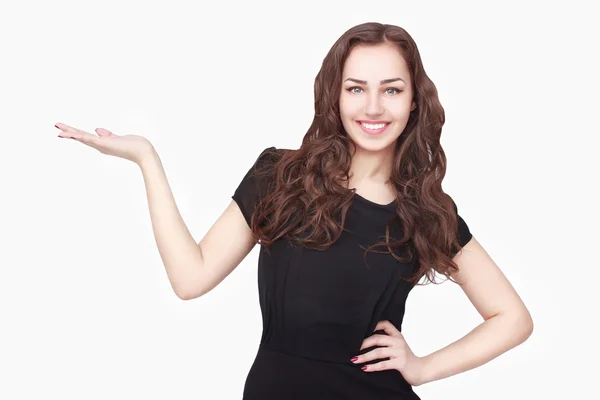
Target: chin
373	144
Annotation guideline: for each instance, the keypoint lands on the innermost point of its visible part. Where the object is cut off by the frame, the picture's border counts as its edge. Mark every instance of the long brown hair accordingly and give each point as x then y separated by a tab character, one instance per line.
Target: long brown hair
307	200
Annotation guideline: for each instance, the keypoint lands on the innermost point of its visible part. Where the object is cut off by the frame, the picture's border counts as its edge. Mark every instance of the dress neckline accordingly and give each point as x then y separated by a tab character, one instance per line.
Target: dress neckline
389	206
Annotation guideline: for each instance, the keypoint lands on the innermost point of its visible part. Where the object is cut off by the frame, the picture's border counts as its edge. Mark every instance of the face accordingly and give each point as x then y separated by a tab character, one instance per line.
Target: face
374	103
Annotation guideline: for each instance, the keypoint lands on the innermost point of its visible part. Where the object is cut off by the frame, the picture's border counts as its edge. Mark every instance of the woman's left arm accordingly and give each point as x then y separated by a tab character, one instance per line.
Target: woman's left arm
507	322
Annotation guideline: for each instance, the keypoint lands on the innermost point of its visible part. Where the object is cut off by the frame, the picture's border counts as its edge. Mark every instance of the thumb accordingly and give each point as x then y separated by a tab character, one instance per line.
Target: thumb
104	132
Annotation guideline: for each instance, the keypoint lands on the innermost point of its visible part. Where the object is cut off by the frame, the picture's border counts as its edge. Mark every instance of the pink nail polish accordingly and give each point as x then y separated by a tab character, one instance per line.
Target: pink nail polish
354	359
364	367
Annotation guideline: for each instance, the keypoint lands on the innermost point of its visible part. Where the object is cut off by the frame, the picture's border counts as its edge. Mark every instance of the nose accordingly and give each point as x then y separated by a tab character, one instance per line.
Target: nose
374	107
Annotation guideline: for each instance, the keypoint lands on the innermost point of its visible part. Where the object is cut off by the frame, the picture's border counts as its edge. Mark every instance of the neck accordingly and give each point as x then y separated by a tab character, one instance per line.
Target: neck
372	166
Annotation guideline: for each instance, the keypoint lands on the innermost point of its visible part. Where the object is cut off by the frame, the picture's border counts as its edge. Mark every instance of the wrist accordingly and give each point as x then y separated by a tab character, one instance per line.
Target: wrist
424	371
415	371
150	157
421	373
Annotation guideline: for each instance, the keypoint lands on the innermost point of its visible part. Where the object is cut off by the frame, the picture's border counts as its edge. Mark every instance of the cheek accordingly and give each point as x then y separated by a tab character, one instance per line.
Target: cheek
402	115
400	111
348	107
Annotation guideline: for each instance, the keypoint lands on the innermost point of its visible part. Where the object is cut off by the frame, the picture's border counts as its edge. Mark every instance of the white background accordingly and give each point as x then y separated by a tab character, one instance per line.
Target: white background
86	309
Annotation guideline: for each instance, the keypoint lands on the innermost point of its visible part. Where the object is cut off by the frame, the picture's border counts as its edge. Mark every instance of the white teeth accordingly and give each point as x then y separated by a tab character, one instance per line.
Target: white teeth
371	126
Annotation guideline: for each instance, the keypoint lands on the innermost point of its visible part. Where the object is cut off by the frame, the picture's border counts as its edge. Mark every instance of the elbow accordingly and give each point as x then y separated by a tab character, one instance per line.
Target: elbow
183	295
529	328
188	287
189	295
192	292
524	324
527	324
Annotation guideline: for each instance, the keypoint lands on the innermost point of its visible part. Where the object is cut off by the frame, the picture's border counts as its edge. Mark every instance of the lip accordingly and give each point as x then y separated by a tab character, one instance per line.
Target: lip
368	121
372	131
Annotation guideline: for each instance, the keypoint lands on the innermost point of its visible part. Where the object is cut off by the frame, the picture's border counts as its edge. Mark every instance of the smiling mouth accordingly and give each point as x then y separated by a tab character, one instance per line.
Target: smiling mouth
373	129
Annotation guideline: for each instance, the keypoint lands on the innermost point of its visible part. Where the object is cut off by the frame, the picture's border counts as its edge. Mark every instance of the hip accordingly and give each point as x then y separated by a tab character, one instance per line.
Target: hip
280	375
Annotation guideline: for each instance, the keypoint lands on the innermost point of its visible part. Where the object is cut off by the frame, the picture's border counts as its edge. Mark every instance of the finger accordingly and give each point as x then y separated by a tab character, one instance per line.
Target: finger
378	340
79	135
64	127
68	131
104	132
87	138
63	130
376	354
380	366
388	328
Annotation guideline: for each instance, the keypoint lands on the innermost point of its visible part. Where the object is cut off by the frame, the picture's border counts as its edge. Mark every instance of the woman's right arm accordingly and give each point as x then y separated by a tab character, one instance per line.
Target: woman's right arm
193	268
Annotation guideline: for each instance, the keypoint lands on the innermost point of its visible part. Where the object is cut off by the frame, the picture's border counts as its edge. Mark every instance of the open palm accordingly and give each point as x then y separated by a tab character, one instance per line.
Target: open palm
129	147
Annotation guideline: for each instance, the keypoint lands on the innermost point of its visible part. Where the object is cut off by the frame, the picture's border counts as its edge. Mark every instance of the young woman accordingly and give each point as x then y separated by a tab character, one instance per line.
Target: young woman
348	224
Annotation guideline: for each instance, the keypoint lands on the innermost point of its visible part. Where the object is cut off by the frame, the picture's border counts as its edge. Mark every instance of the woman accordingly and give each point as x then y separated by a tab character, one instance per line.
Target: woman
348	224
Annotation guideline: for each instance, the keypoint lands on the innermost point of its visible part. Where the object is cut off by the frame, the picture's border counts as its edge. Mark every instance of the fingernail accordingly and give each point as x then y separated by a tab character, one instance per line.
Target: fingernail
354	359
364	367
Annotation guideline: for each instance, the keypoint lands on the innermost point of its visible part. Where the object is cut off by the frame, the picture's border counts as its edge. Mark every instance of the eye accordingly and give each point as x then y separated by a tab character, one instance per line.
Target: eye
351	90
394	91
390	91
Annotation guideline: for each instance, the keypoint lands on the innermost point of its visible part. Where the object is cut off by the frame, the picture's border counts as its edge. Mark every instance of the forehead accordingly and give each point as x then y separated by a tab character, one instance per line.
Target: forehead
375	63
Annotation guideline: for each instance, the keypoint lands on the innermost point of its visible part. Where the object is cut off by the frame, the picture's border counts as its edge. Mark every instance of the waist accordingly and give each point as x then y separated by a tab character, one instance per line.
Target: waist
327	344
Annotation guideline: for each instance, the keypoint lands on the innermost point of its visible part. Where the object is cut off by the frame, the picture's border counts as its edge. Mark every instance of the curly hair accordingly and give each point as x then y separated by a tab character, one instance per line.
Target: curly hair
308	199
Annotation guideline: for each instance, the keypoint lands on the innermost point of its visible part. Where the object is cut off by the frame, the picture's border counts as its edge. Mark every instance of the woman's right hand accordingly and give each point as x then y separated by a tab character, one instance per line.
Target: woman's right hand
130	147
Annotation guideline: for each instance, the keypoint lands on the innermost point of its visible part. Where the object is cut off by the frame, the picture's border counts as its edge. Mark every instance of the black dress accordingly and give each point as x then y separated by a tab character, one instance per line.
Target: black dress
318	306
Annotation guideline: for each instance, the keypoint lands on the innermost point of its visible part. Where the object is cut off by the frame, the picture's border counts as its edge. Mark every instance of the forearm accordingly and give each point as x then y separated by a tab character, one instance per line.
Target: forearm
179	252
484	343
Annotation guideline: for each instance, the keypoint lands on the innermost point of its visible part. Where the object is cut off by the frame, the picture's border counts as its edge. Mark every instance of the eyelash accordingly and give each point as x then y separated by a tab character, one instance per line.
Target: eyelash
356	87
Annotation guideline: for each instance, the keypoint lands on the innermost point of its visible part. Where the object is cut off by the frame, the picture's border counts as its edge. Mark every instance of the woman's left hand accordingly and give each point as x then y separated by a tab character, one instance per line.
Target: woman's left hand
401	357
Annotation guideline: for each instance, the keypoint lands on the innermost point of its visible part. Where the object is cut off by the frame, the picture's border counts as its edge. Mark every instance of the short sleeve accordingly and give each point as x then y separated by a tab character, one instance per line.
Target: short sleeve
252	187
464	233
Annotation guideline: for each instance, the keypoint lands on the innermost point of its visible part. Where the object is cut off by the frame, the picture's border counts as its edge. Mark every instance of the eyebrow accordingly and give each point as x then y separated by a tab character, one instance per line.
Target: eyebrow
383	82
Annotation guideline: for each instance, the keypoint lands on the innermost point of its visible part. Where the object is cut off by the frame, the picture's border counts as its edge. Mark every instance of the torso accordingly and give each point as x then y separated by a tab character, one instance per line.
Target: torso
318	306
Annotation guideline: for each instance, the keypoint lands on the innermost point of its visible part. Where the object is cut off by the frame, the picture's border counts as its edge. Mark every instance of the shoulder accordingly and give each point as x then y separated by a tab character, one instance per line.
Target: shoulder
257	180
270	155
464	232
257	175
266	163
